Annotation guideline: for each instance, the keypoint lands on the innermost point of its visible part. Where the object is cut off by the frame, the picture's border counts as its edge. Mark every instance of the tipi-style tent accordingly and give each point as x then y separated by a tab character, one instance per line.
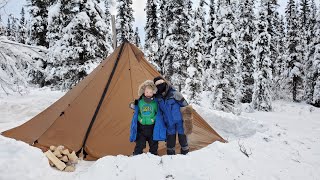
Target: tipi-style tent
94	116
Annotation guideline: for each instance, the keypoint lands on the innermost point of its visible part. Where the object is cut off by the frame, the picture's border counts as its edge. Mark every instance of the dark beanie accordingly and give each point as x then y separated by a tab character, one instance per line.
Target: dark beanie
157	78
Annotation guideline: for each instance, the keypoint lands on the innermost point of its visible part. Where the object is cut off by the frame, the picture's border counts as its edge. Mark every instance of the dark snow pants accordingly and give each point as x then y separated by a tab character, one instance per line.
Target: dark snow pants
145	133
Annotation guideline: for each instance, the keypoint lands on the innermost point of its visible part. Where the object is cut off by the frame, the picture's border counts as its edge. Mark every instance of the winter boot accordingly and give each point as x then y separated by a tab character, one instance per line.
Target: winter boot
183	143
171	143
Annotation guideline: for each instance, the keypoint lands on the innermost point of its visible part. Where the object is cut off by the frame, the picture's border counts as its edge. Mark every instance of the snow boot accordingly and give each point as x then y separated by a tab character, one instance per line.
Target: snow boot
183	143
171	143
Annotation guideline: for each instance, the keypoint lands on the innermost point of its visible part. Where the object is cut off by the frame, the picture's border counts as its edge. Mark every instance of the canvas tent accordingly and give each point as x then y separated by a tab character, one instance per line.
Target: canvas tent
94	116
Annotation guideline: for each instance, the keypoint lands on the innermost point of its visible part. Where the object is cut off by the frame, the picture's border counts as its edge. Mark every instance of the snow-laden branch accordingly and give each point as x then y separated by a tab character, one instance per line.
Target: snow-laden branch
244	149
3	3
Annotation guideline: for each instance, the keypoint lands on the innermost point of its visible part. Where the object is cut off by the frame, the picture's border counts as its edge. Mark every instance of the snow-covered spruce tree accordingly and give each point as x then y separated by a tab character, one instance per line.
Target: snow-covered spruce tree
208	61
108	21
174	50
12	28
125	21
279	77
313	16
246	38
197	48
304	23
22	29
210	26
261	99
273	21
294	66
8	28
164	16
39	24
82	40
2	28
137	40
226	73
151	44
312	87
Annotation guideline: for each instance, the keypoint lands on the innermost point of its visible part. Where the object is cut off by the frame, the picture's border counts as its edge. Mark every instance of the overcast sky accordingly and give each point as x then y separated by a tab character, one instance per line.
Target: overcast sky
14	7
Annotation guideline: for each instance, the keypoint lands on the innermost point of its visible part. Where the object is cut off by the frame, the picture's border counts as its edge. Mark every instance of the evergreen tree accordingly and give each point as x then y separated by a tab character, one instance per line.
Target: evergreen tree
22	29
304	19
8	29
137	41
151	44
125	21
210	26
279	77
2	28
79	31
174	50
246	38
197	50
12	29
209	62
261	99
313	14
294	67
227	62
312	88
108	21
39	24
273	21
163	25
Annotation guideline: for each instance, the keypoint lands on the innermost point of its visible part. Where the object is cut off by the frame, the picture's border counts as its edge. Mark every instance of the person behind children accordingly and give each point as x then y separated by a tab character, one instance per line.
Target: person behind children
147	124
170	102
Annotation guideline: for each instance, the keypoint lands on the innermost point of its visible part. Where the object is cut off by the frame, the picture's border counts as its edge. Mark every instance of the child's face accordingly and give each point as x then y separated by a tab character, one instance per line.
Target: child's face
148	92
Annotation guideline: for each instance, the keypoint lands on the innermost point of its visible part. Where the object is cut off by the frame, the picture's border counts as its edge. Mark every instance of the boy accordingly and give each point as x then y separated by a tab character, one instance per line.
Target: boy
147	123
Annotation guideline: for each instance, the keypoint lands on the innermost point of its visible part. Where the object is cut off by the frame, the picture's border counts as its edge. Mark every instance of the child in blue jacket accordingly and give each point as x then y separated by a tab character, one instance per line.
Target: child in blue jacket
170	102
147	124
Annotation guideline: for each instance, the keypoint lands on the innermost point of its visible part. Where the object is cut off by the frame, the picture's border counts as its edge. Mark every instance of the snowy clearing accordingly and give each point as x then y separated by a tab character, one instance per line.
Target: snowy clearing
283	144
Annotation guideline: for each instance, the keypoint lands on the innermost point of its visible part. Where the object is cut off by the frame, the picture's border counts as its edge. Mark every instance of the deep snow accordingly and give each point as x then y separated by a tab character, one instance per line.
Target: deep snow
284	144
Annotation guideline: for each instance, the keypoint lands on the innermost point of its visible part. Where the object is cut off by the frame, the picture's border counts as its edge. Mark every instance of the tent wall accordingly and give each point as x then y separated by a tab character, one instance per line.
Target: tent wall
67	121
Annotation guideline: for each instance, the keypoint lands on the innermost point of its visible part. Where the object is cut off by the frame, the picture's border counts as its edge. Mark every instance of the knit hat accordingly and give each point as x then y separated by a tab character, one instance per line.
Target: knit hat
157	78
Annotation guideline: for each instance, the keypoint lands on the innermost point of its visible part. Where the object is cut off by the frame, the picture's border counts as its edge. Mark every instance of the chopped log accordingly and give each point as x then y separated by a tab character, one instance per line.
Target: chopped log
59	164
73	157
60	148
51	163
70	169
57	153
64	158
53	148
65	152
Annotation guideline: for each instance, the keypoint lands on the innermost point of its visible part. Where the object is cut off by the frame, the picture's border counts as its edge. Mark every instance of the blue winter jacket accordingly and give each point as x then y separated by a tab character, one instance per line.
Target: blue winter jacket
159	130
170	106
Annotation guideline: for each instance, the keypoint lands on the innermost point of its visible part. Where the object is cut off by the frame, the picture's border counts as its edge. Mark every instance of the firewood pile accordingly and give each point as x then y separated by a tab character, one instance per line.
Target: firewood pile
61	158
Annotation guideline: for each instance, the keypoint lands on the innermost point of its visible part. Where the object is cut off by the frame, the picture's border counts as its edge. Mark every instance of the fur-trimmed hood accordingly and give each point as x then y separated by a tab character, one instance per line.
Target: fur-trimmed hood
143	86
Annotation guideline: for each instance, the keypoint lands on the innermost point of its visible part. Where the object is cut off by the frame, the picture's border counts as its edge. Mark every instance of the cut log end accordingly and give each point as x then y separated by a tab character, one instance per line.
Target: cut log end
59	164
53	148
64	159
65	152
73	157
69	169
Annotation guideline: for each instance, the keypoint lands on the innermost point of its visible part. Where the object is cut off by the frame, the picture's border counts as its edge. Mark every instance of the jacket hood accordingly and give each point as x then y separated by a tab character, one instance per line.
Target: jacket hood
143	86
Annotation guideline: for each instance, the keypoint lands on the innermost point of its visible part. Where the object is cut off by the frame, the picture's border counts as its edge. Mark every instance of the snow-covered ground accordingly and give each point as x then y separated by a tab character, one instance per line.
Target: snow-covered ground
284	144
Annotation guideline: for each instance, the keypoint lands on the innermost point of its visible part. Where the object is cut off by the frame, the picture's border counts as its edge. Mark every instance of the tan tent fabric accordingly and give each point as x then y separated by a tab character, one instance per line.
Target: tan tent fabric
68	120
